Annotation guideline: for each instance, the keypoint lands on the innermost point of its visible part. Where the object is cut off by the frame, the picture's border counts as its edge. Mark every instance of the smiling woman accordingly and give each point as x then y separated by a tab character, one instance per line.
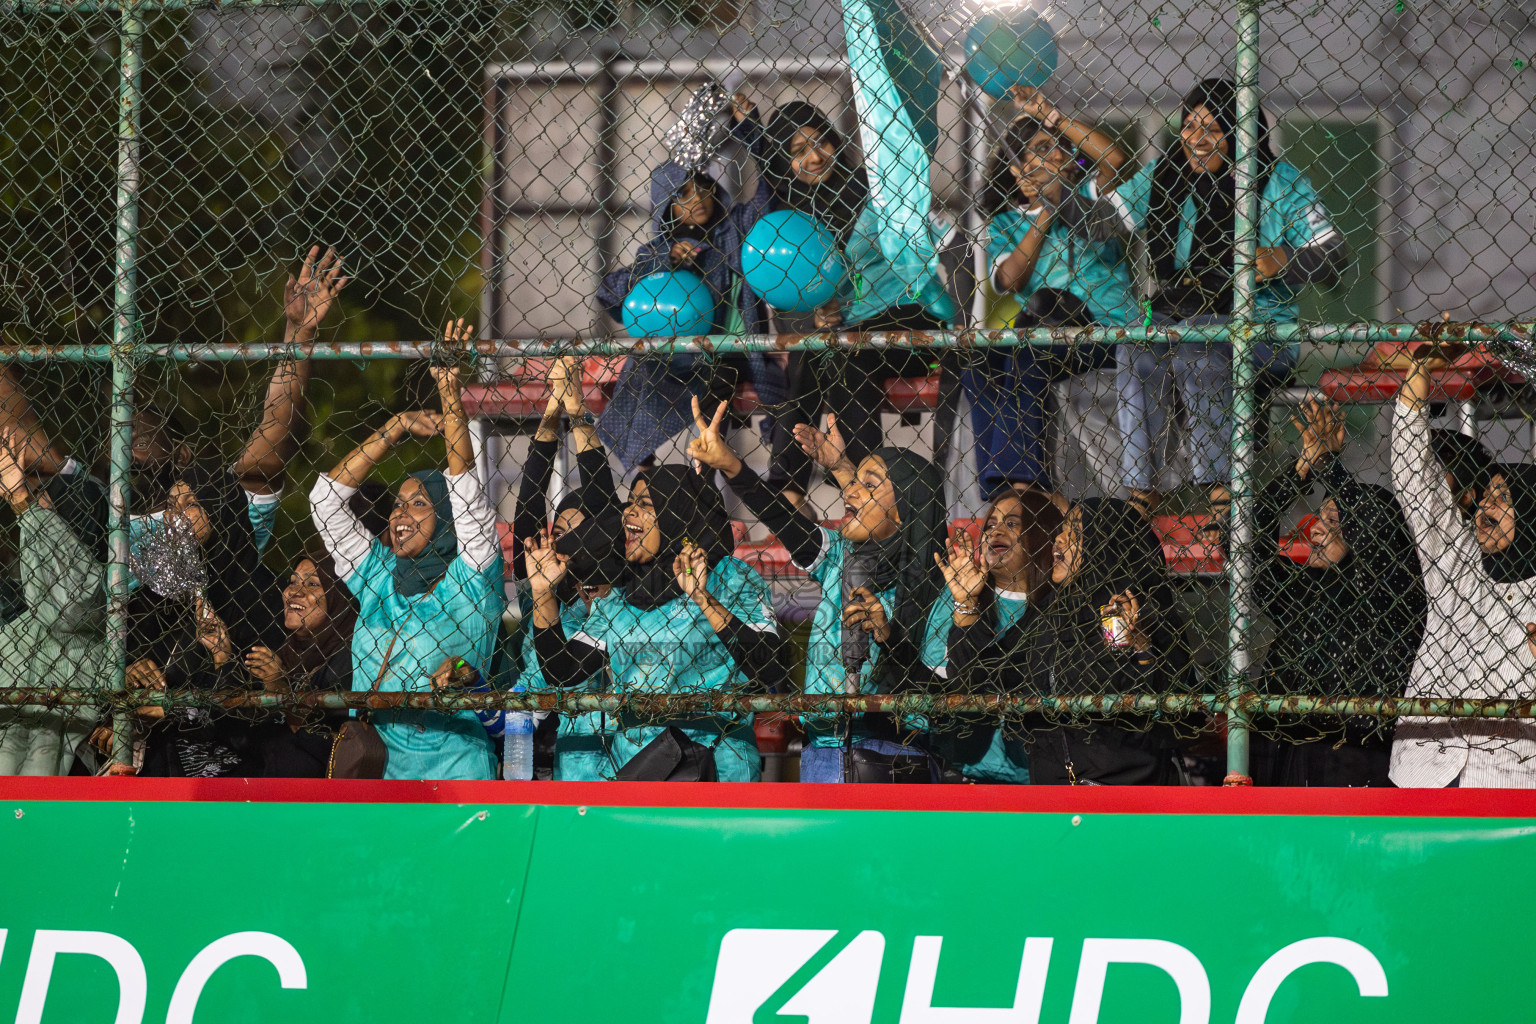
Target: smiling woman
430	592
878	578
689	617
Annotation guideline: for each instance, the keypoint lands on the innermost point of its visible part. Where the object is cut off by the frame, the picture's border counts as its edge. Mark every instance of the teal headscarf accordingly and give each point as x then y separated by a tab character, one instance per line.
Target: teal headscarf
420	574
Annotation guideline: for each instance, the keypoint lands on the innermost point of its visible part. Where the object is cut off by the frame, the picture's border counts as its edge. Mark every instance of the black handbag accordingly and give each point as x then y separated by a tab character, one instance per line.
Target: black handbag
908	769
670	757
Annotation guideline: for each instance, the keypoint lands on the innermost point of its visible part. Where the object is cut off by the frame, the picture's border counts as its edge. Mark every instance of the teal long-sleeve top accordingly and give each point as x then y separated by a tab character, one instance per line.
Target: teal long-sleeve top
400	641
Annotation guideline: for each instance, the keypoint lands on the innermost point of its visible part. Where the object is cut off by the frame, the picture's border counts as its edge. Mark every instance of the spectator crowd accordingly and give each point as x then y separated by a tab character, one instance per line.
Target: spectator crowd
1423	589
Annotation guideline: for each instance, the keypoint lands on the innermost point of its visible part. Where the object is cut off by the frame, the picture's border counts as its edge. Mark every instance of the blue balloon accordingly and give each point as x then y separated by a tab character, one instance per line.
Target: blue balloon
1009	48
792	261
669	304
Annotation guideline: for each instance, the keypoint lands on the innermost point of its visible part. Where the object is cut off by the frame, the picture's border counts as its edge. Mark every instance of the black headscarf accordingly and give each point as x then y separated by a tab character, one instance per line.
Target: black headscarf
304	654
241	590
1383	571
835	202
1518	561
596	551
1212	248
905	559
81	502
1464	458
592	499
688	507
1119	552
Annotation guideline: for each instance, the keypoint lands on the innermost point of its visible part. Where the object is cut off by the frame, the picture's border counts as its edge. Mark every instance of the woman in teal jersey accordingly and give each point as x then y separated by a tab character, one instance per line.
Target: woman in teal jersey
432	591
878	578
1185	206
578	744
1052	243
992	587
688	618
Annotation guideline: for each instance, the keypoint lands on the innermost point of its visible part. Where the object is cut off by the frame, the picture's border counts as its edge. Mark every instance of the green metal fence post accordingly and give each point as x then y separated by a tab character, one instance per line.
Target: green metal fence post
125	325
1240	532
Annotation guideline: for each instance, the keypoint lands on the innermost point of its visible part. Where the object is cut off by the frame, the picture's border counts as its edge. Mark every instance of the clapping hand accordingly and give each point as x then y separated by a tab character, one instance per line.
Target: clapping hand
962	569
692	570
827	450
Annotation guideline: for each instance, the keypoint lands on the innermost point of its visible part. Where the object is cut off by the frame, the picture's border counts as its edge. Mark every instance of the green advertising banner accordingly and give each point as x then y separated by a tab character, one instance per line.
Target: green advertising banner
131	911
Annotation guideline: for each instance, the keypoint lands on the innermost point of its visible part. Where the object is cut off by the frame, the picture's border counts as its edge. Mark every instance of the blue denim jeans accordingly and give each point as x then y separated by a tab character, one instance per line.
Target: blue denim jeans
825	764
1008	390
1202	374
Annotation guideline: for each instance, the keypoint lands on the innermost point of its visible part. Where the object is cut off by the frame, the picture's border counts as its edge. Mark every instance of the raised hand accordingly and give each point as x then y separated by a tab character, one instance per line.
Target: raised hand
742	106
144	674
307	299
828	316
1321	425
13	479
545	567
827	450
449	377
565	384
421	423
692	570
684	252
962	570
710	448
1033	103
457	334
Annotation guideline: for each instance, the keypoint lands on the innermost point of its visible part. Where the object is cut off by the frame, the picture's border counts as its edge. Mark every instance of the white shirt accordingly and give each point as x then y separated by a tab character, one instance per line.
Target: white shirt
1474	640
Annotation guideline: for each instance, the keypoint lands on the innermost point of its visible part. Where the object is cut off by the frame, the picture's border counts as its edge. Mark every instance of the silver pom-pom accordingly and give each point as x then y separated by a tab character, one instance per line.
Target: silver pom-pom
1518	354
698	135
169	561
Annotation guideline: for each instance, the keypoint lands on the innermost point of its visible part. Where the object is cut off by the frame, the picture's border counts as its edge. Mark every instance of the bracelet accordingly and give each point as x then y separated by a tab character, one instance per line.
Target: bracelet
967	609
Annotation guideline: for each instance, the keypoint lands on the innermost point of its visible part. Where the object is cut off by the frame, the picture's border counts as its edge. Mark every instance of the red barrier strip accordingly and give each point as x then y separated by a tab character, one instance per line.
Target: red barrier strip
1453	803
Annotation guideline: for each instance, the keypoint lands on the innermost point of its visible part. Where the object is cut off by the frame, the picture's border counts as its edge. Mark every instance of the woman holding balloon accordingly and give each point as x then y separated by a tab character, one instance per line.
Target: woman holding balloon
1052	243
686	280
817	260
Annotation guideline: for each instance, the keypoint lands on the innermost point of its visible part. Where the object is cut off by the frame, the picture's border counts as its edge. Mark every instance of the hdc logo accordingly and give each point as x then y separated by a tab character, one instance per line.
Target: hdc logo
754	963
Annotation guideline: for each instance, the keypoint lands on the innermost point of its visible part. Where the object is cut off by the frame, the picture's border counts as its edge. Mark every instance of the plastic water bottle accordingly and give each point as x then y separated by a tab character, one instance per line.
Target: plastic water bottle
517	745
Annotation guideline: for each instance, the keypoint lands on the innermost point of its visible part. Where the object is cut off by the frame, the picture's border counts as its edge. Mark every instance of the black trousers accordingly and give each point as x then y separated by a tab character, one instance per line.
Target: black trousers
851	385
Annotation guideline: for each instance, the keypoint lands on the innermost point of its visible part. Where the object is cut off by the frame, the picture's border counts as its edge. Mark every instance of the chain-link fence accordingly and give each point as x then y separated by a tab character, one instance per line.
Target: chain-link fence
891	390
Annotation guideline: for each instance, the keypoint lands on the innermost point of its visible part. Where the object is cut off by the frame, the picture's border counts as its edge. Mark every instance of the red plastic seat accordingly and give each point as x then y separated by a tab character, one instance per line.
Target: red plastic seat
1183	549
912	394
1378	386
902	394
1382	372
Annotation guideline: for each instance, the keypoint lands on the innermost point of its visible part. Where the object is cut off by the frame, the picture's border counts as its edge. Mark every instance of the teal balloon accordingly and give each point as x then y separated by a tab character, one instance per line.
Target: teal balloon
791	261
669	304
1008	48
